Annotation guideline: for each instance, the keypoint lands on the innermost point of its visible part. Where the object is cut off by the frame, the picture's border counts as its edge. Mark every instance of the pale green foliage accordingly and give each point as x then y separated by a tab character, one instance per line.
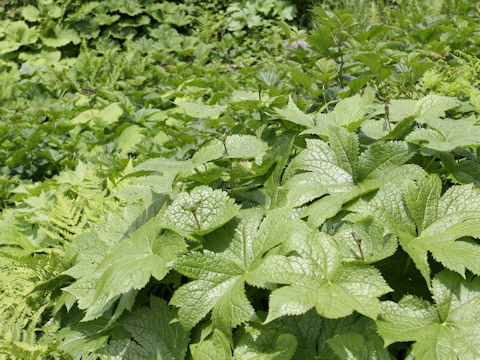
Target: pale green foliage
169	151
294	114
316	277
110	272
338	171
448	329
374	244
232	147
446	134
66	219
202	111
199	212
219	277
23	307
349	113
265	344
425	221
427	110
216	347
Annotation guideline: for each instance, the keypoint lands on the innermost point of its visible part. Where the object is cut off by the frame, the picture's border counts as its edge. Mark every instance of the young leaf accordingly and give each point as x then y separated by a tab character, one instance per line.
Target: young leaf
200	212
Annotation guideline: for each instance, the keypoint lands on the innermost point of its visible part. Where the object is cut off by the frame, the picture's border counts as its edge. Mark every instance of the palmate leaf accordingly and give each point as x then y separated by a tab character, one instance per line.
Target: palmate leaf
349	113
233	147
426	221
219	277
202	111
446	134
106	272
262	343
338	173
151	335
199	212
405	111
445	330
216	347
316	277
353	337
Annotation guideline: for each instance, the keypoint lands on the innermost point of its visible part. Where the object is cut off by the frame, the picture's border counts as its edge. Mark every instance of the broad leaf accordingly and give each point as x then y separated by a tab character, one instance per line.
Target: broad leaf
202	111
316	277
446	134
126	266
261	343
199	212
445	330
152	335
216	347
426	221
337	173
293	114
219	277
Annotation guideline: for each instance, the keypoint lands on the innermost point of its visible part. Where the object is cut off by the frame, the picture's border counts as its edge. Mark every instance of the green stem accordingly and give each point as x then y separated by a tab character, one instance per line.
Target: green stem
432	161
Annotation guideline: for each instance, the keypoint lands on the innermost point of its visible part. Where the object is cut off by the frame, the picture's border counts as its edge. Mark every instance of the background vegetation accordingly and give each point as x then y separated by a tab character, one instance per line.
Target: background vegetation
208	180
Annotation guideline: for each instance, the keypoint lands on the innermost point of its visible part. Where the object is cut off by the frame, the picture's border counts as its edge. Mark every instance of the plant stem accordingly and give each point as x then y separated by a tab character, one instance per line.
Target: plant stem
432	161
358	241
407	265
194	212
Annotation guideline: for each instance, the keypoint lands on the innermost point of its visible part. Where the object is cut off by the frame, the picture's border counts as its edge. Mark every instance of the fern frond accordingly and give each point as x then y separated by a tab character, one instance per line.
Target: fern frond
67	219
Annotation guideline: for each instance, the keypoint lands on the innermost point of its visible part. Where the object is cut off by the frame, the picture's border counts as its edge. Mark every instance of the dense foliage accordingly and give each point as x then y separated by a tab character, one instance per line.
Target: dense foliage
253	179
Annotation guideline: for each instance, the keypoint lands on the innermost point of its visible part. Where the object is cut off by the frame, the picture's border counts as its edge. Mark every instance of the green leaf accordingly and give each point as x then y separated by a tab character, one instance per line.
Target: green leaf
447	329
233	147
260	343
433	106
125	266
337	172
374	244
217	280
294	114
199	212
60	36
348	113
345	146
110	114
244	146
219	277
129	138
446	134
316	277
30	13
152	335
426	222
202	111
216	347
